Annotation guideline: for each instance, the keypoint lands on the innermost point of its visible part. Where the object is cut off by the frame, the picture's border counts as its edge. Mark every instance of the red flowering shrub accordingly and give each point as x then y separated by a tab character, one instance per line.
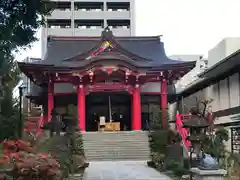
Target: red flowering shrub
22	162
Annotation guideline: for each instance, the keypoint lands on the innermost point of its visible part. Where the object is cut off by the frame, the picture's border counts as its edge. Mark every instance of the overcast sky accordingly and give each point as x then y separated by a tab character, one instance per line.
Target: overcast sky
187	26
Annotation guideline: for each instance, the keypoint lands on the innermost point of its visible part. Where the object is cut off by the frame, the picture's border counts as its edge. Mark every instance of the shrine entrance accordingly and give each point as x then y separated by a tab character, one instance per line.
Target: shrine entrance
113	107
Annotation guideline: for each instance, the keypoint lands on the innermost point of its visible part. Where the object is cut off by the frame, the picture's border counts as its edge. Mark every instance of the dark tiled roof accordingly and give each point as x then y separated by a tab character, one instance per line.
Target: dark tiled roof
150	48
64	53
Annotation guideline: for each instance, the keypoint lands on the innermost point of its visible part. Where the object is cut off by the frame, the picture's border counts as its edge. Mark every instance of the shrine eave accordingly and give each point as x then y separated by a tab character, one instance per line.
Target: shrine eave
33	67
179	66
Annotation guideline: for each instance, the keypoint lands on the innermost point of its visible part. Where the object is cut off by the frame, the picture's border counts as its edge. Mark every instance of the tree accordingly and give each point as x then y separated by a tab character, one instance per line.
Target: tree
9	107
19	20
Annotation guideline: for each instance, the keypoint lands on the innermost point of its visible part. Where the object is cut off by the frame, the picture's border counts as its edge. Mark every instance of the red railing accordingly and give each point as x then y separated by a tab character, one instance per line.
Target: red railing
183	132
39	126
34	124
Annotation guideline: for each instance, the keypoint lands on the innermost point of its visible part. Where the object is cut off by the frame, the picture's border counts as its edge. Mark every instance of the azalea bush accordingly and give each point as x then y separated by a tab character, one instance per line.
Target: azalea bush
20	161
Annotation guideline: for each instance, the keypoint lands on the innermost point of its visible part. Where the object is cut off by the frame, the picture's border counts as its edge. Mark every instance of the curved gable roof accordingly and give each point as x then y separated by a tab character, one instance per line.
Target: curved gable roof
138	48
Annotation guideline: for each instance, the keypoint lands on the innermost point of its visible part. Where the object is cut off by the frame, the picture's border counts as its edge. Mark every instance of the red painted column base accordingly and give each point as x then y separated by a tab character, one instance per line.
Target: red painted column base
81	108
136	110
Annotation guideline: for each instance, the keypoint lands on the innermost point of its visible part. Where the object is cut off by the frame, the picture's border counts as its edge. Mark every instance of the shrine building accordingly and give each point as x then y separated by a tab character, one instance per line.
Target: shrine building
119	78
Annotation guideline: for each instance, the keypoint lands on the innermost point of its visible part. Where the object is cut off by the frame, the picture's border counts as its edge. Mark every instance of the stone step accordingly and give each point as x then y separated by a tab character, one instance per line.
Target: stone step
105	158
96	146
125	145
114	135
115	139
106	140
116	146
120	150
120	143
143	141
116	149
116	132
118	157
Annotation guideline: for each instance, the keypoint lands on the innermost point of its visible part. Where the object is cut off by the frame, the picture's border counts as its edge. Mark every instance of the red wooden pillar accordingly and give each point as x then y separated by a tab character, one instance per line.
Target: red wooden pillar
164	102
136	109
50	99
81	108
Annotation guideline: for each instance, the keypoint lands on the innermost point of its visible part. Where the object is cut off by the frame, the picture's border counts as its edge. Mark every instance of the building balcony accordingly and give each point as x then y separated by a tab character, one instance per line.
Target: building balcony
98	31
88	31
60	14
94	14
59	31
120	14
99	14
121	31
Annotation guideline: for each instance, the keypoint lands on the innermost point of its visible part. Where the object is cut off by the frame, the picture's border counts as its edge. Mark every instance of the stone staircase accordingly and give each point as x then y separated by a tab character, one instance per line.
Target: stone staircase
110	146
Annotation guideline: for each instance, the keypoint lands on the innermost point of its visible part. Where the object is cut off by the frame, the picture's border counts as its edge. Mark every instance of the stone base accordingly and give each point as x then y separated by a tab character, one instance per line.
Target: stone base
208	174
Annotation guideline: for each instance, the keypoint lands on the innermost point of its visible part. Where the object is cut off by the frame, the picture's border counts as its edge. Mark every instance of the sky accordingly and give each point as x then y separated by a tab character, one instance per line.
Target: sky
187	26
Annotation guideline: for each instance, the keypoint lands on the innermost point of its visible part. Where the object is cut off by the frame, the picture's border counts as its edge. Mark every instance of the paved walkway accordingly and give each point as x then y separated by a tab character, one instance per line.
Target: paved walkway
122	170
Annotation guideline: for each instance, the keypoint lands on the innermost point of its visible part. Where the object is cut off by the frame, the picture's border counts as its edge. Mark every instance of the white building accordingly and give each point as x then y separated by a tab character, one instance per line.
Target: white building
89	18
221	83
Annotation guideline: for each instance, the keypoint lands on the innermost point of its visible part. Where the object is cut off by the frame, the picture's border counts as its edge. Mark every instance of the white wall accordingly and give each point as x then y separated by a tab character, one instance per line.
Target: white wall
234	90
64	88
225	94
151	87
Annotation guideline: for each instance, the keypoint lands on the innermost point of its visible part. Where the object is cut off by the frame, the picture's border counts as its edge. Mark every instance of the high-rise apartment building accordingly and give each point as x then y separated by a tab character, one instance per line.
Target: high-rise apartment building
89	18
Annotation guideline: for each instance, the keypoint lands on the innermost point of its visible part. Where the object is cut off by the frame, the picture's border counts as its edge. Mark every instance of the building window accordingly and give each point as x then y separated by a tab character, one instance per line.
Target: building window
62	6
89	24
59	23
116	24
235	137
118	6
88	6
